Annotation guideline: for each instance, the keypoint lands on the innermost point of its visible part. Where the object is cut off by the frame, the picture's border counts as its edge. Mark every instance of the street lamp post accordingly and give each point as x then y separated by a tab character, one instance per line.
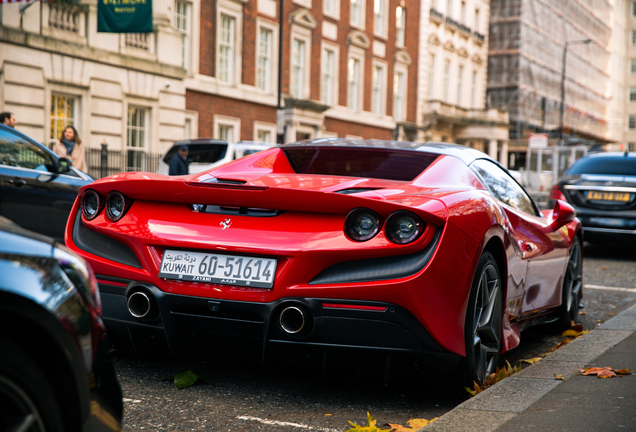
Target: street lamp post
562	112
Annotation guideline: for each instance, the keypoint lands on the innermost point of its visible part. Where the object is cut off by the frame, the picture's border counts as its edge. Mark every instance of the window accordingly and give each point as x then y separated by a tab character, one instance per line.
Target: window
634	8
298	69
503	187
631	147
633	39
328	77
264	67
462	13
446	81
226	132
400	23
226	49
473	95
477	17
460	78
431	76
379	13
331	8
353	101
632	94
631	122
377	91
357	13
182	24
136	137
632	66
63	112
264	136
399	96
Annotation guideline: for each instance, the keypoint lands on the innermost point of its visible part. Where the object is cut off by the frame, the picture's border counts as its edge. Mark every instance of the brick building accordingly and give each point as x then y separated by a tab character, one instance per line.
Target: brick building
349	69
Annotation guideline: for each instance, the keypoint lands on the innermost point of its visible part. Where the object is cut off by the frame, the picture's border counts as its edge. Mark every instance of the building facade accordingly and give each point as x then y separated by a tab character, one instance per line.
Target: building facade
543	53
125	90
452	75
348	68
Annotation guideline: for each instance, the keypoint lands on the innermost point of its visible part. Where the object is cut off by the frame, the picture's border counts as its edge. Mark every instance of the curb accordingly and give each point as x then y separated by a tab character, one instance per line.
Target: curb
502	402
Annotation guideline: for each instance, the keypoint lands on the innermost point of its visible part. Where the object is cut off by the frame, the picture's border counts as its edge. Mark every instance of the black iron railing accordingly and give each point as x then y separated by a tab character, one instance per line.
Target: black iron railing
103	162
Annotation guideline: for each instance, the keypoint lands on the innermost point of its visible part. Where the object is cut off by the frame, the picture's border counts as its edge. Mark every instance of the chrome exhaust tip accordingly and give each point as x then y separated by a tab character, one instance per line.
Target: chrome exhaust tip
292	320
139	305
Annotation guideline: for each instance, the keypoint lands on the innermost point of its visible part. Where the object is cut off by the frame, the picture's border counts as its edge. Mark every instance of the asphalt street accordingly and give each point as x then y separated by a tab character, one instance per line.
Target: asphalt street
241	396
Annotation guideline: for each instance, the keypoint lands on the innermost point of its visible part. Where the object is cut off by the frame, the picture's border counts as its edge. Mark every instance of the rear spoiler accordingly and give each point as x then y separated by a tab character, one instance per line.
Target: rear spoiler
159	188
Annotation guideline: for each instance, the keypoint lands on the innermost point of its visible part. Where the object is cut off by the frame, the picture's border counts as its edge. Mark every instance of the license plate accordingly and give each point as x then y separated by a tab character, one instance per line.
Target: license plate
218	268
607	196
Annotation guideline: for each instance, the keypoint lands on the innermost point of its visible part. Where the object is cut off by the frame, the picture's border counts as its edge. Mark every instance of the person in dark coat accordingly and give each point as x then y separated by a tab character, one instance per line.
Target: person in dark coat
179	162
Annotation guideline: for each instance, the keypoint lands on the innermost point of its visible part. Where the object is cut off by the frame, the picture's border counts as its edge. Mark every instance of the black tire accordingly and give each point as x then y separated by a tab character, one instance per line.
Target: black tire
483	327
572	284
26	397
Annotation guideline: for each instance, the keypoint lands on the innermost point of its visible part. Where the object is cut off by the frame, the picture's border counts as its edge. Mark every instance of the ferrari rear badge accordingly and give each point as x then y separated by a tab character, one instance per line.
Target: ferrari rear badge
225	224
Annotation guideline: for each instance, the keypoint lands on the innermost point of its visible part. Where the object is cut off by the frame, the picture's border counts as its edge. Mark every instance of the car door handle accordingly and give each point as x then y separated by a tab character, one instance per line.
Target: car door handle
17	182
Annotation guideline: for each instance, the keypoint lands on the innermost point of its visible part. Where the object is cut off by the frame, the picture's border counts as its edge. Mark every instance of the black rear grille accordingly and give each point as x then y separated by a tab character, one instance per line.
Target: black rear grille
234	211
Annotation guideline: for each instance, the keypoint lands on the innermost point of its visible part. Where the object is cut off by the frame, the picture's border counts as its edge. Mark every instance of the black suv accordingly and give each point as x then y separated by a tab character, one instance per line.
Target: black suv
602	189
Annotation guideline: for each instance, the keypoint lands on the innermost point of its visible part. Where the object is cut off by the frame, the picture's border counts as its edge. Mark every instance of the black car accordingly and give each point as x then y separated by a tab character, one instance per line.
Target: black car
56	372
602	189
37	187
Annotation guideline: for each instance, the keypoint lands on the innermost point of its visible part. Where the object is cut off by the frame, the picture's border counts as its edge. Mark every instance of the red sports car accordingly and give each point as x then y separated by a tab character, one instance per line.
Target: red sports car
315	251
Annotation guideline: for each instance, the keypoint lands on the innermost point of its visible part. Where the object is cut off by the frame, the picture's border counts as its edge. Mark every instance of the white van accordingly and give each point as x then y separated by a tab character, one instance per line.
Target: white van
207	153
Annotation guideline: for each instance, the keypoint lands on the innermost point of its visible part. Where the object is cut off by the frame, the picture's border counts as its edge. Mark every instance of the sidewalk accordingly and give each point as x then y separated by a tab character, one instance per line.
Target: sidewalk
533	400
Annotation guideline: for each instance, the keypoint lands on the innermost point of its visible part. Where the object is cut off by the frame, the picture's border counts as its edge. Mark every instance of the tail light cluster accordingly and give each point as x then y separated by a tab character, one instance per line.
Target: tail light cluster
556	194
116	205
401	227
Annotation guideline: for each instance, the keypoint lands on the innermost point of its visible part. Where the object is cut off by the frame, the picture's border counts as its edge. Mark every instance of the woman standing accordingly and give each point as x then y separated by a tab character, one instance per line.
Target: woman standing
70	146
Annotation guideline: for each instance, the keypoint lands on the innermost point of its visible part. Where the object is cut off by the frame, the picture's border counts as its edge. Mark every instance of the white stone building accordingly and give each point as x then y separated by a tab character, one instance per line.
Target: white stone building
123	89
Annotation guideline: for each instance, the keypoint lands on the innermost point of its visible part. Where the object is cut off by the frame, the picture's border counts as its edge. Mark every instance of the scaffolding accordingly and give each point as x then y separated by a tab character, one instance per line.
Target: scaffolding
527	40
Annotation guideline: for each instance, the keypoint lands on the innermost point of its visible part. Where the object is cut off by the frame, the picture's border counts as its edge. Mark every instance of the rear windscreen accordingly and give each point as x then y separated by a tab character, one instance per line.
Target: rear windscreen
378	163
619	165
201	153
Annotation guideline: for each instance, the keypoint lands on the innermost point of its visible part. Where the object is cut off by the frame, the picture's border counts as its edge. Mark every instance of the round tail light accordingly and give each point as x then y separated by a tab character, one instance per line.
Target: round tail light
115	206
362	224
403	227
91	204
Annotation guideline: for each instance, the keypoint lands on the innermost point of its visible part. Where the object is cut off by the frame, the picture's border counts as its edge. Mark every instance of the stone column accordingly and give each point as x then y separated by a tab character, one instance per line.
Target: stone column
503	155
492	149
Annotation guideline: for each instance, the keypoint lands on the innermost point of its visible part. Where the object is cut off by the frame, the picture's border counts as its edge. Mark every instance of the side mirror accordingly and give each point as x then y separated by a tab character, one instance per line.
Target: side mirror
64	165
562	214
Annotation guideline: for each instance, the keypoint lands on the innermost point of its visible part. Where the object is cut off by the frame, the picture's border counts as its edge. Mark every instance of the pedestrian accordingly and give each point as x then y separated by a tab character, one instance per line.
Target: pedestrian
70	146
179	162
8	119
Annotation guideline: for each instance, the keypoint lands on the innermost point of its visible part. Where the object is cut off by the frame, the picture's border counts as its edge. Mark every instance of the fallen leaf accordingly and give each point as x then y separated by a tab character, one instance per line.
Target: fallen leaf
582	313
603	268
559	377
603	372
623	371
606	373
328	414
531	361
370	427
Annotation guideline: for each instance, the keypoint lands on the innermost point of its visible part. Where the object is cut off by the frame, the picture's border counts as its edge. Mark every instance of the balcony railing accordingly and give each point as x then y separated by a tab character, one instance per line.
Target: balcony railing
65	17
137	40
479	37
436	16
440	108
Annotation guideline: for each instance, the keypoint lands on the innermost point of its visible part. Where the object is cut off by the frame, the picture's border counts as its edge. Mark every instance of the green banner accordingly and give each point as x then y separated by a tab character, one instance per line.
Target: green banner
124	16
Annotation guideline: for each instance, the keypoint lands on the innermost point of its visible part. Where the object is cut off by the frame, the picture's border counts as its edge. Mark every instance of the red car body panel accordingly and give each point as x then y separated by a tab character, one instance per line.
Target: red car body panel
307	237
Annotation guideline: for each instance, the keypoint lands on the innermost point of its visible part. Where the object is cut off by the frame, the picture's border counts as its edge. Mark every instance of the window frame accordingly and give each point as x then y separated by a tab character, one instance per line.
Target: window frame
146	116
431	76
400	26
265	127
335	13
186	33
631	122
357	20
55	135
304	35
632	66
235	11
400	69
234	122
378	98
264	76
460	82
333	96
447	66
631	94
357	100
382	30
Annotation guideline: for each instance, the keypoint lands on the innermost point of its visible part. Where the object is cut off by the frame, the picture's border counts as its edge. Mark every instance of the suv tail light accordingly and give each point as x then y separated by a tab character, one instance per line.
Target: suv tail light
556	194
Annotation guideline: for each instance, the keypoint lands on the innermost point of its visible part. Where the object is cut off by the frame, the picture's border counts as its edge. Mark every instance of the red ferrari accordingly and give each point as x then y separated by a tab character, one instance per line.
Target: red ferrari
324	250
